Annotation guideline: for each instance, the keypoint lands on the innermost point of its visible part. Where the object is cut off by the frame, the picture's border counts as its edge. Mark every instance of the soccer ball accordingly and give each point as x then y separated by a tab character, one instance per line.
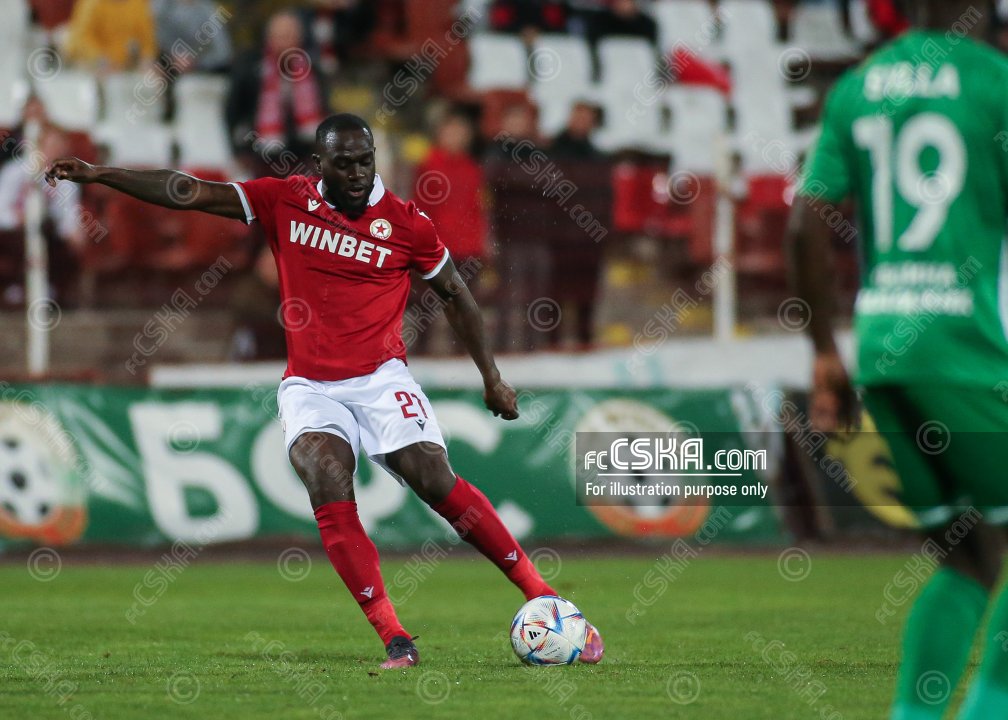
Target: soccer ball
42	496
548	630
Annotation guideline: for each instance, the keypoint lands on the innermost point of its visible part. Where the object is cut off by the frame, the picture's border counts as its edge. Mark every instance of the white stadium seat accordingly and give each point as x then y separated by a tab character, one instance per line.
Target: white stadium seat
862	28
684	23
71	98
134	97
750	30
15	20
699	118
13	82
561	73
200	128
497	62
138	145
630	94
817	28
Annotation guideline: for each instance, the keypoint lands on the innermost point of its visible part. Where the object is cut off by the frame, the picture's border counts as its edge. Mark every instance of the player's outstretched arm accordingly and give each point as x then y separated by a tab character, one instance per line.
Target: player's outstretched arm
168	188
832	403
465	319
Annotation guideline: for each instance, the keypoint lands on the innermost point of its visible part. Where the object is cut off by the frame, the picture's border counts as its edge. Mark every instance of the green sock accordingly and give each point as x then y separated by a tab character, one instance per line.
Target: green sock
988	694
936	644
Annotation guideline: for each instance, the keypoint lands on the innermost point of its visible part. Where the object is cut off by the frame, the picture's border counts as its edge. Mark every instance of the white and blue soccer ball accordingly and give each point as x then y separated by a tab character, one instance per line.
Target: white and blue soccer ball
548	630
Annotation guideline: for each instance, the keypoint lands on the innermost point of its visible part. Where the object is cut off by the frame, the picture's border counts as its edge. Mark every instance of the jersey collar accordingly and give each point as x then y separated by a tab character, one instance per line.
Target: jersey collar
377	192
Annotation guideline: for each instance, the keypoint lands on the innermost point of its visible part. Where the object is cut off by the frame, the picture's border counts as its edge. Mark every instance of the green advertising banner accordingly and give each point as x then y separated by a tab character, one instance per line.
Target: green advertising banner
141	467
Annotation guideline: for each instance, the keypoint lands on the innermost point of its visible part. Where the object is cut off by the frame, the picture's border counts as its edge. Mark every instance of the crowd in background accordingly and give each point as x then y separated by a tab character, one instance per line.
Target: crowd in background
286	62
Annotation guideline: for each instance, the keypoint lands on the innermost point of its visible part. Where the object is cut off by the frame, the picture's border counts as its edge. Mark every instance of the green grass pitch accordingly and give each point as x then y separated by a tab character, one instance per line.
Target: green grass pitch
728	638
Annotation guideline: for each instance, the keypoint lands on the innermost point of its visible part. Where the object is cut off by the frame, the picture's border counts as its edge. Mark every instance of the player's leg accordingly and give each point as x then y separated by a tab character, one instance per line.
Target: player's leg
325	463
988	692
322	439
946	614
944	619
424	467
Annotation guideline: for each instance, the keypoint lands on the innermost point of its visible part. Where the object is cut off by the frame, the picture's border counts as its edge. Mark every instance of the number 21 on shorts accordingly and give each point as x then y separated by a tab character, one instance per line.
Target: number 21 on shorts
407	401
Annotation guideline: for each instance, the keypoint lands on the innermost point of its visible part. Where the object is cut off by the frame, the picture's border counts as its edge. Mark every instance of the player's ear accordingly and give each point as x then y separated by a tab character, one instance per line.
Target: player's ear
318	162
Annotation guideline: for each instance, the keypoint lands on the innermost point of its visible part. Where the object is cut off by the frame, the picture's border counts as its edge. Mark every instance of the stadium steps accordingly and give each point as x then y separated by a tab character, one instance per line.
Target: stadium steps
107	340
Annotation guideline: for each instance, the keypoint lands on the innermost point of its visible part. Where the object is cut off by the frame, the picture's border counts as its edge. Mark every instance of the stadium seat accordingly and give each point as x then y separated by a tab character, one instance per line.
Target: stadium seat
684	23
749	30
862	28
497	62
14	85
760	221
631	103
15	16
699	118
52	14
81	146
134	96
136	145
561	74
200	128
817	28
71	99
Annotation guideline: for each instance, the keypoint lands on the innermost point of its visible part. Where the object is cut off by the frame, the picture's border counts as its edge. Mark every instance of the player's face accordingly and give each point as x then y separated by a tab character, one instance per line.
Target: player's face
346	163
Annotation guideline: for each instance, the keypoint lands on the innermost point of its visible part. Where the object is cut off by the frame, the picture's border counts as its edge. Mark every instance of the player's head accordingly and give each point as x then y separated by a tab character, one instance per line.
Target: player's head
344	156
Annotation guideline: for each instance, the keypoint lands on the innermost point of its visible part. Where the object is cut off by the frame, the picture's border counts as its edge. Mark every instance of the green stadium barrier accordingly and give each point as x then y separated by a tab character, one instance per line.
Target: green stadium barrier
143	467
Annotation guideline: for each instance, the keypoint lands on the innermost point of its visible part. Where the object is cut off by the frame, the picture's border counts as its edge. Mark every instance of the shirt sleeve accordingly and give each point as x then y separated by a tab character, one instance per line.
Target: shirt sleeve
259	198
429	253
828	173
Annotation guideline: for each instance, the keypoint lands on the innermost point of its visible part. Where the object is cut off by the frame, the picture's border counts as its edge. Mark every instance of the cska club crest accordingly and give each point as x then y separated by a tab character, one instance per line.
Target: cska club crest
381	229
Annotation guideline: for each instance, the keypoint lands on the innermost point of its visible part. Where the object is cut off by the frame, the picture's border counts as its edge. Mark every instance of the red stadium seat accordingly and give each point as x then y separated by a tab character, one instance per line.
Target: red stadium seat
760	223
52	13
82	146
644	202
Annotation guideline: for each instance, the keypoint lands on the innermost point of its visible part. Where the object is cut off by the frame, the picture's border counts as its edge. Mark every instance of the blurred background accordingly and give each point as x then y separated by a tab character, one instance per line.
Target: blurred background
612	177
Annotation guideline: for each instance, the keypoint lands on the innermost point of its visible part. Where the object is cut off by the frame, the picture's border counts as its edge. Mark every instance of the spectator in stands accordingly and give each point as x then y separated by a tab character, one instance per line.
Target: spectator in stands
517	123
193	35
258	334
250	18
275	104
450	188
522	238
458	212
34	111
888	17
528	17
61	213
623	18
574	141
335	26
111	35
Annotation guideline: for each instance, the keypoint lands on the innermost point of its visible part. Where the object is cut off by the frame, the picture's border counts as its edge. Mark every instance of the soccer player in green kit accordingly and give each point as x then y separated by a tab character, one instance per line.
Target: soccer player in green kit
916	135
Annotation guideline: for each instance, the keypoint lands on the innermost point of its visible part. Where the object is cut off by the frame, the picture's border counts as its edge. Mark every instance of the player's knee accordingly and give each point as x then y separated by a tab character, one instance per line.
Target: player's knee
324	468
427	472
977	555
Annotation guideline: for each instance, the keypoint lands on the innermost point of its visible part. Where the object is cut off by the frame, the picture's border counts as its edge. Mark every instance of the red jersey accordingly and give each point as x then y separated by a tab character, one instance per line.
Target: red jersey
343	281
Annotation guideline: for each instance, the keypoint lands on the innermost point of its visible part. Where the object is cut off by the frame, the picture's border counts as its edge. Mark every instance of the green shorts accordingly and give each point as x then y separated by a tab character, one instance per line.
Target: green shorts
950	448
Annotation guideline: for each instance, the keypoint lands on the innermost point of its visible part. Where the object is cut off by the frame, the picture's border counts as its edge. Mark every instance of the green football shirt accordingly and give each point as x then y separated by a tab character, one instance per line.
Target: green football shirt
918	135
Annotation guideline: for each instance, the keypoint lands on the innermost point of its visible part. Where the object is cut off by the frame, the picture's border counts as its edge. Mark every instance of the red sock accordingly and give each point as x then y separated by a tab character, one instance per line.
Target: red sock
355	558
476	522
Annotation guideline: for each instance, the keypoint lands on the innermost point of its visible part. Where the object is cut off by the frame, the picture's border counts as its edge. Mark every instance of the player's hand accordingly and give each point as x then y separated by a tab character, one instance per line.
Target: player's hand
72	169
833	402
501	400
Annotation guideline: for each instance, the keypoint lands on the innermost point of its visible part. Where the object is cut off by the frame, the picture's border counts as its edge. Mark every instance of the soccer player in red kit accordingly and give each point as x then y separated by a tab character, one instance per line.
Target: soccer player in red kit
344	248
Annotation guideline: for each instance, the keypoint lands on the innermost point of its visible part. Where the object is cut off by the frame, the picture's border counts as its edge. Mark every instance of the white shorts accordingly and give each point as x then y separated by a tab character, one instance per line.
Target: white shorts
381	412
